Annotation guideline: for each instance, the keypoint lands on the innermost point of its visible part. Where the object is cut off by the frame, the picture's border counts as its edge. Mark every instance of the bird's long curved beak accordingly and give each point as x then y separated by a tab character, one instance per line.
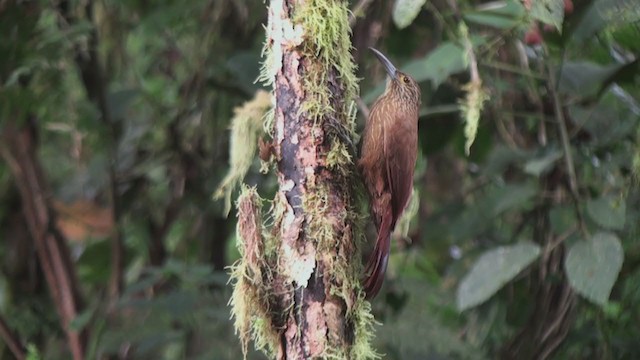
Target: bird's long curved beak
391	69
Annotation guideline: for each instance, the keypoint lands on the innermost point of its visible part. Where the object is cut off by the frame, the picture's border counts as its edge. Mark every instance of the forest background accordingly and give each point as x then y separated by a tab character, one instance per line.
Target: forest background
115	121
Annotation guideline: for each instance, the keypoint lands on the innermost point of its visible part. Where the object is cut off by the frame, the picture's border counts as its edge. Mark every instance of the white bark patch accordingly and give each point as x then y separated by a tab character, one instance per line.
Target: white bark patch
310	172
300	266
299	263
287	185
282	33
279	126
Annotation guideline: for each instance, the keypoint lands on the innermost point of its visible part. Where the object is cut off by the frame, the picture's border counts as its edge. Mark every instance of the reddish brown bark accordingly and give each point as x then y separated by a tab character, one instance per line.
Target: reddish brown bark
316	323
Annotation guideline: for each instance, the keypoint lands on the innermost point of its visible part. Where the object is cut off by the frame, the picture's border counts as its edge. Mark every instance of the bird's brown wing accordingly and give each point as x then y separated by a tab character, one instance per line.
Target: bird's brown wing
400	154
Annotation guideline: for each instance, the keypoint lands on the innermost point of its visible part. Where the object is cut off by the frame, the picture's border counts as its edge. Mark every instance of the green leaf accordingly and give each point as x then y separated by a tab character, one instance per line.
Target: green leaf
549	12
596	120
446	59
492	271
94	263
540	165
478	217
405	11
32	352
584	78
608	212
501	15
591	22
82	320
592	266
562	218
512	196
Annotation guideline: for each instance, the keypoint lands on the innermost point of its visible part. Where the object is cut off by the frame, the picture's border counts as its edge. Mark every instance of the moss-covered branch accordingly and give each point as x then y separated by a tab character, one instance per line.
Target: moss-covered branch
298	294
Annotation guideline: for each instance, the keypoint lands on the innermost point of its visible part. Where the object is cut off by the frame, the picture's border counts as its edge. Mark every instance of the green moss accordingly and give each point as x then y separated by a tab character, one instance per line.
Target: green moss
345	273
267	124
364	331
269	66
316	208
339	158
251	286
251	312
327	31
246	127
329	68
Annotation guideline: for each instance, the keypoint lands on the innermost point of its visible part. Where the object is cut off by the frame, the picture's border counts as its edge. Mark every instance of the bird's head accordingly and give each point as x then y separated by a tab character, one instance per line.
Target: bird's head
400	85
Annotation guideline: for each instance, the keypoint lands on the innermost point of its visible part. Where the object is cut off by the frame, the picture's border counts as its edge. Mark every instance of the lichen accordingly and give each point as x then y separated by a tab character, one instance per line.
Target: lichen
246	127
319	33
471	108
473	102
251	278
404	223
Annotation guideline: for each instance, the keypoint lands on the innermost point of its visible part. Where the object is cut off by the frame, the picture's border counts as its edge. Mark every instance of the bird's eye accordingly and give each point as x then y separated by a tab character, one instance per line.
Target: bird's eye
405	79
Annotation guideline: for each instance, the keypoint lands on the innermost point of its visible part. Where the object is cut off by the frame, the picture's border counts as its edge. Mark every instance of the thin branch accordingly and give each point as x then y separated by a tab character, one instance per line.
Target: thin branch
510	68
11	340
564	136
566	147
473	61
18	148
95	84
532	90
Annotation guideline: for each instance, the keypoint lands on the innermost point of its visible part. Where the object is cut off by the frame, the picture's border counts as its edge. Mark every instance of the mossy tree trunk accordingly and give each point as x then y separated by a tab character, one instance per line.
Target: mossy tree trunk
297	290
314	197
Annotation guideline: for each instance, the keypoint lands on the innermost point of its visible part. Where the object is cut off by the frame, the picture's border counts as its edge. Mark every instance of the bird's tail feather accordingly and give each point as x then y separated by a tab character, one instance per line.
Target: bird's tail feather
377	264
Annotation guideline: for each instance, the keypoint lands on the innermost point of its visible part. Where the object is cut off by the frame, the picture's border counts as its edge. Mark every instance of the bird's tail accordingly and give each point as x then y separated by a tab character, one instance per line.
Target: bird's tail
377	264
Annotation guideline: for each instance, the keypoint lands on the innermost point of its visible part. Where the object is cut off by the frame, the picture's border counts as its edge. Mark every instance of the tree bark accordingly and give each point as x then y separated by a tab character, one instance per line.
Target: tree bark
301	279
301	145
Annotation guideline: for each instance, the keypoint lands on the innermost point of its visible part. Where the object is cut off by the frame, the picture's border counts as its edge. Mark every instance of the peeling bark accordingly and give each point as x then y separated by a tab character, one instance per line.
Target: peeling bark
298	295
316	324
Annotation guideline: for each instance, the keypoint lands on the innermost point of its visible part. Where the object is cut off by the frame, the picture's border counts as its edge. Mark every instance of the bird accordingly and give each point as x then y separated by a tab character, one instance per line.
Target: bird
387	162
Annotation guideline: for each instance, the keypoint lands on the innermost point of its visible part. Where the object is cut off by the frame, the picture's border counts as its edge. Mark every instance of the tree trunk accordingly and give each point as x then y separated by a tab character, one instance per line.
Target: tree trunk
300	280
